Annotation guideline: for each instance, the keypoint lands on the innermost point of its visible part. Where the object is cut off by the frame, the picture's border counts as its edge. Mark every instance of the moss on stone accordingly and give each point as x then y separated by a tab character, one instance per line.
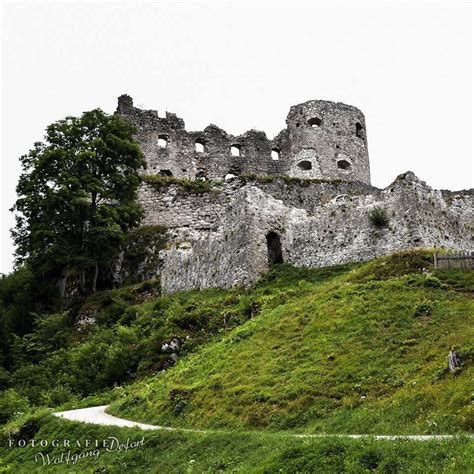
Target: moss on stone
289	179
195	186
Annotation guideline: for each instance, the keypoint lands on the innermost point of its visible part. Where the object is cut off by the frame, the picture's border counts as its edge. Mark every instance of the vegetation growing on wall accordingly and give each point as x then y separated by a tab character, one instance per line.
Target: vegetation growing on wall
378	217
196	186
288	179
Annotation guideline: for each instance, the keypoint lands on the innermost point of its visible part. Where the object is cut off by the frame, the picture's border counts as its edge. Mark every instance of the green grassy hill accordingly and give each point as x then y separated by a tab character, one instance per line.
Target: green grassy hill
359	348
355	349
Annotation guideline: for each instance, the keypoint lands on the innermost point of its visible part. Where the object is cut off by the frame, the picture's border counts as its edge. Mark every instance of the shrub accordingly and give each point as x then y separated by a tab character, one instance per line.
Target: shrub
432	282
370	459
4	378
58	395
11	403
423	309
378	217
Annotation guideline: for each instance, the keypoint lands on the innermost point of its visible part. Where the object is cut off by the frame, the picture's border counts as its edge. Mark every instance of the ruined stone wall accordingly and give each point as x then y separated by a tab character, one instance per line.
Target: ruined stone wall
322	140
308	188
175	207
419	217
218	238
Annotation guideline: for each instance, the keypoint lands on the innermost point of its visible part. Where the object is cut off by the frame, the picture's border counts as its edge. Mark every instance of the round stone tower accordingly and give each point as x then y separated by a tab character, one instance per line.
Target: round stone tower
326	140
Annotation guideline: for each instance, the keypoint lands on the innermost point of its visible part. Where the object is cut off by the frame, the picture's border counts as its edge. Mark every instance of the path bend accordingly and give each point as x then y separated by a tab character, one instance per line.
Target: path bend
98	416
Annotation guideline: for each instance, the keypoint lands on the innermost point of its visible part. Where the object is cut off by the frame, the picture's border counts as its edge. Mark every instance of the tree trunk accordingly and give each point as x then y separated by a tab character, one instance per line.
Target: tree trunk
96	274
62	282
82	280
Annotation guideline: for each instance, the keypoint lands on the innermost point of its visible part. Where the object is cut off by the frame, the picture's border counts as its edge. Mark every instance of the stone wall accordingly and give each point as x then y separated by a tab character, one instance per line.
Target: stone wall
332	137
219	238
323	140
304	198
172	206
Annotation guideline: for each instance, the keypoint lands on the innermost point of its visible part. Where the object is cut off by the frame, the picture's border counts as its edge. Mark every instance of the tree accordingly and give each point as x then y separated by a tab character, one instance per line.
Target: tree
77	198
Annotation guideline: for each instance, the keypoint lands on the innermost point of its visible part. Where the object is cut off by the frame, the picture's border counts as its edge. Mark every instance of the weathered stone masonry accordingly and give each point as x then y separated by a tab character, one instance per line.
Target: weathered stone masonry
322	140
221	237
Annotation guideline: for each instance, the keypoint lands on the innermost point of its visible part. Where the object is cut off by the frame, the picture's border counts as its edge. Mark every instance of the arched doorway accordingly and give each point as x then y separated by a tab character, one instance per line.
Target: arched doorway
274	248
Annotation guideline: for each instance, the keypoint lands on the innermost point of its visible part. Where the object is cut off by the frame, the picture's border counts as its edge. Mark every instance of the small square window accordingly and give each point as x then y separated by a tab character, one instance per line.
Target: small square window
199	146
235	150
162	141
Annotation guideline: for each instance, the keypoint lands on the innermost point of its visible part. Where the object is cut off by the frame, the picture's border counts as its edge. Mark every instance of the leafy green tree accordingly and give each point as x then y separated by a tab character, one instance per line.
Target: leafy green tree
77	198
19	297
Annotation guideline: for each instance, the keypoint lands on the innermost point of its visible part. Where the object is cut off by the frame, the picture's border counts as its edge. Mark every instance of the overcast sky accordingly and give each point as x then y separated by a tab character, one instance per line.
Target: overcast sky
408	67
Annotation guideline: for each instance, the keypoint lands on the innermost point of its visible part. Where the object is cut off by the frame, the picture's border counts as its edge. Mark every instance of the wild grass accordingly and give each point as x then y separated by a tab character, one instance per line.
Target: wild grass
289	179
191	186
359	348
223	451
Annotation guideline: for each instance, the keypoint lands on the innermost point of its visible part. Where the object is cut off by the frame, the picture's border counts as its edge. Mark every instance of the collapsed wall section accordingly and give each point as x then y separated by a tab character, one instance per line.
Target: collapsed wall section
341	231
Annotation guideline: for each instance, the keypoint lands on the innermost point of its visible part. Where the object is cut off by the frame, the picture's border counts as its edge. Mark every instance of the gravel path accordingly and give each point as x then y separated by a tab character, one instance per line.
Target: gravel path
98	416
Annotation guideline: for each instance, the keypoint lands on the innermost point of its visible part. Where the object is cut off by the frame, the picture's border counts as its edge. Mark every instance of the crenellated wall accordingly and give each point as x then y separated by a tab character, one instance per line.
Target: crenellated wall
323	140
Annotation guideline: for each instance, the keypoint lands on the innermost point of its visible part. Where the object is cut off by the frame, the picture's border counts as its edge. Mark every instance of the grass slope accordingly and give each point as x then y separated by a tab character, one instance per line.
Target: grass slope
354	349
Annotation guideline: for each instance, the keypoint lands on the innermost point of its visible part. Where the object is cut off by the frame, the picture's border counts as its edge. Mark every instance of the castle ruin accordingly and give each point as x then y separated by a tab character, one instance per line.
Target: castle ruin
303	197
323	140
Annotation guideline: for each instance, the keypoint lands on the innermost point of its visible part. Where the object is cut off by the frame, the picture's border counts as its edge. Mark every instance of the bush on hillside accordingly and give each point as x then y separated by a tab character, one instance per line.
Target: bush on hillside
11	404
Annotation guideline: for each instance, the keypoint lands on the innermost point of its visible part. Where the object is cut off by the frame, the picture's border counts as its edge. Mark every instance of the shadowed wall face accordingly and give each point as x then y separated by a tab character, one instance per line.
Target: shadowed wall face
323	140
